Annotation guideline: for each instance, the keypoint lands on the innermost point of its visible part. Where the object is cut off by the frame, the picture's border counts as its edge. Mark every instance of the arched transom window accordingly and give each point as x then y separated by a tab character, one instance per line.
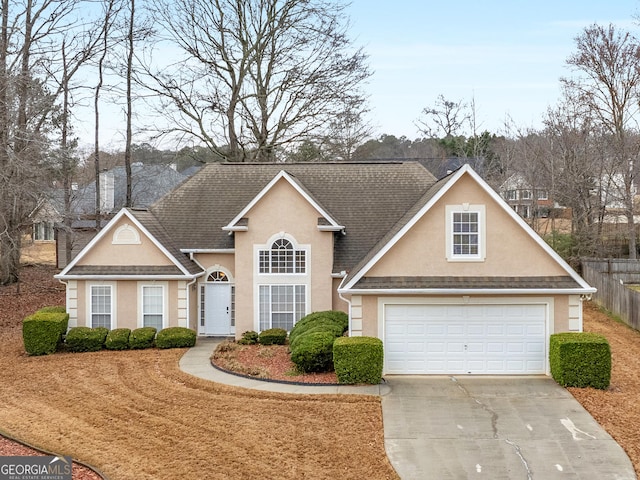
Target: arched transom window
217	276
282	257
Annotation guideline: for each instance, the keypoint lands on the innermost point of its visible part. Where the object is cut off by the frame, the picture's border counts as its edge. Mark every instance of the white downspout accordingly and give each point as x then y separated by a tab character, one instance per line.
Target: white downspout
344	277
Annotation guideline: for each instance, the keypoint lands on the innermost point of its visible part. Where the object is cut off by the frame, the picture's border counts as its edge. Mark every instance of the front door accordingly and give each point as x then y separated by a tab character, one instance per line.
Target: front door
217	309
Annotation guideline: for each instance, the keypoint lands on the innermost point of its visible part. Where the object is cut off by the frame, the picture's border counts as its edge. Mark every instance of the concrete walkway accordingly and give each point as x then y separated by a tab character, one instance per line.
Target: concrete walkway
442	427
197	363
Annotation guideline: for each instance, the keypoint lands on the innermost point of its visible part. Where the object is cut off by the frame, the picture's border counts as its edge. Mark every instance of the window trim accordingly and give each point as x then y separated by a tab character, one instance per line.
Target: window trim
165	302
466	208
113	314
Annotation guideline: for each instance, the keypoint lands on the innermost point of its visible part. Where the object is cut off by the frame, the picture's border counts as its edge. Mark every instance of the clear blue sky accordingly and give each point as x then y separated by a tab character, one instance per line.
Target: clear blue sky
507	54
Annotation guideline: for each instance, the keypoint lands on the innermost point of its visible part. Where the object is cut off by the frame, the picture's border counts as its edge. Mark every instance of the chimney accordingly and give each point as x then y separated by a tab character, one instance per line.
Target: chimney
107	191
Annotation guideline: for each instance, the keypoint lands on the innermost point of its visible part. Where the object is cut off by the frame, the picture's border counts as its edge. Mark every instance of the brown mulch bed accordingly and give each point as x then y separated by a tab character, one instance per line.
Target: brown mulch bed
271	362
136	415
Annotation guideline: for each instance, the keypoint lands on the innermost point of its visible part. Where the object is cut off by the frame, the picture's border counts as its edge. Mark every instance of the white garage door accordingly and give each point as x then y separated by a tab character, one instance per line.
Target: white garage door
465	339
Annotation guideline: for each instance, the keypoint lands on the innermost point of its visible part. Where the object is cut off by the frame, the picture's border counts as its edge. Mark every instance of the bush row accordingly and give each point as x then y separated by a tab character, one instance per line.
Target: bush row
45	332
272	336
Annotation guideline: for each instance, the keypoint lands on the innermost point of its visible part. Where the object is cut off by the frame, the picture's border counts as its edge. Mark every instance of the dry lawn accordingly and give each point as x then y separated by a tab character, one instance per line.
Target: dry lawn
135	415
616	409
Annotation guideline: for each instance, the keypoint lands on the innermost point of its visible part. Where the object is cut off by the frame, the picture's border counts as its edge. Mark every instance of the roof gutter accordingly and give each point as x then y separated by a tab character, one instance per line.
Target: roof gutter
467	291
127	277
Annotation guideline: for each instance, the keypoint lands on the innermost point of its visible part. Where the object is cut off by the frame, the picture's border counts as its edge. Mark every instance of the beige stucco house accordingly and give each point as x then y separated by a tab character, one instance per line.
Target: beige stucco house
444	272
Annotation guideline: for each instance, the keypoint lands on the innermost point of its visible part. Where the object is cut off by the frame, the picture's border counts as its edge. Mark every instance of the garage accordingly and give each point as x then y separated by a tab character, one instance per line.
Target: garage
481	339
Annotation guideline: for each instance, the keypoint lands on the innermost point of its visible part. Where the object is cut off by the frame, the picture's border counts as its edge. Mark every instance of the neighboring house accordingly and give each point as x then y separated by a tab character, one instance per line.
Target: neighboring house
149	183
526	200
444	272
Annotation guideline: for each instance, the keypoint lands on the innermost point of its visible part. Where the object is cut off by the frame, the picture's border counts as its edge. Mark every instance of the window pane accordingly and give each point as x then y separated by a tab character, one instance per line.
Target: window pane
152	306
301	261
101	306
465	233
301	302
265	307
263	261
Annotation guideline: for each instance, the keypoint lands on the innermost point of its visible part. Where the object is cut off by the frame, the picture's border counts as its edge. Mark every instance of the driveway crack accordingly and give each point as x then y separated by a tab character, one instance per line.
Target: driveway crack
494	427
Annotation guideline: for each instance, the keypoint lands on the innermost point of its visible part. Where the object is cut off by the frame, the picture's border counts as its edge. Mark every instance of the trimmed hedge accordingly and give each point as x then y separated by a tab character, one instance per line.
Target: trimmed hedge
273	336
117	339
175	337
314	319
580	359
332	328
85	339
314	352
358	359
142	338
42	332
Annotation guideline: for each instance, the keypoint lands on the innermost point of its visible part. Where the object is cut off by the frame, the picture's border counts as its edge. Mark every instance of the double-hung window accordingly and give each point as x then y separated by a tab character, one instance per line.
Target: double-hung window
101	312
281	306
465	232
153	306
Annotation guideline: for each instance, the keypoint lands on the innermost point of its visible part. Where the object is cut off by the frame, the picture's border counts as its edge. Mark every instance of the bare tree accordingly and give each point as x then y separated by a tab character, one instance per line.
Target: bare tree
347	130
27	42
607	64
445	119
256	75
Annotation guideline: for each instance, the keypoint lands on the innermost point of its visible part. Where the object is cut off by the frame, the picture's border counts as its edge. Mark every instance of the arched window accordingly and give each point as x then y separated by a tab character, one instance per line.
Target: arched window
282	257
217	276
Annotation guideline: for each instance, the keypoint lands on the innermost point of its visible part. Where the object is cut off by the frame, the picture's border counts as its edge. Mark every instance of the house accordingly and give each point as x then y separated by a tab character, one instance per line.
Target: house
528	201
148	184
444	272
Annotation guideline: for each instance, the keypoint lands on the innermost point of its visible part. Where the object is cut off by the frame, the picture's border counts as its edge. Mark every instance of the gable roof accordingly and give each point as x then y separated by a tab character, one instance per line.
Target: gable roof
355	278
326	219
148	224
367	199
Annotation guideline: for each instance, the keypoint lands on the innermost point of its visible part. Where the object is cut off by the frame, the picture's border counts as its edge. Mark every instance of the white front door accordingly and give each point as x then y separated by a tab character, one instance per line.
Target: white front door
217	309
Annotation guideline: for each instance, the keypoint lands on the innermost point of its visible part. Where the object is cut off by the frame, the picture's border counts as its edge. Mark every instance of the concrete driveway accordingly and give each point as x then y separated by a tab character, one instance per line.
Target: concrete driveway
495	428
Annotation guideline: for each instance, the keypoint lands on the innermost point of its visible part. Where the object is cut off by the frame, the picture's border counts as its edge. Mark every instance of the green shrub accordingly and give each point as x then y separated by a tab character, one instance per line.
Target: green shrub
333	317
42	332
580	360
53	309
249	338
332	328
314	352
358	359
142	338
85	339
273	336
117	339
176	337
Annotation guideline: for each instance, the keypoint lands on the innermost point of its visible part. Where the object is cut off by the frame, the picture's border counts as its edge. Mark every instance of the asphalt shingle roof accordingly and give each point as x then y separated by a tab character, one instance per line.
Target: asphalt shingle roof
368	199
480	283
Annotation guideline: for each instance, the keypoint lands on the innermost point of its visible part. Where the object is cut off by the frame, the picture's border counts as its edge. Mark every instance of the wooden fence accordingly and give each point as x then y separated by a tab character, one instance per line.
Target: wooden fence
611	277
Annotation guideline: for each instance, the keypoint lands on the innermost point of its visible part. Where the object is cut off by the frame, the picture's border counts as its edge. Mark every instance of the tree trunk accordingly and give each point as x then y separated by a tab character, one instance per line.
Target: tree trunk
127	151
